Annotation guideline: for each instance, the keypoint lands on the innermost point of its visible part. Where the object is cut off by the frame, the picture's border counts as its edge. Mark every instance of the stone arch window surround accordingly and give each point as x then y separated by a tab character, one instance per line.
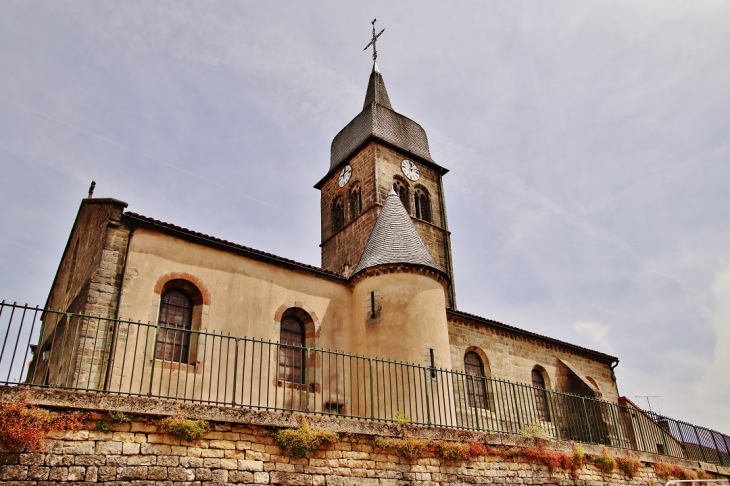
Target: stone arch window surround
422	204
309	319
476	363
199	296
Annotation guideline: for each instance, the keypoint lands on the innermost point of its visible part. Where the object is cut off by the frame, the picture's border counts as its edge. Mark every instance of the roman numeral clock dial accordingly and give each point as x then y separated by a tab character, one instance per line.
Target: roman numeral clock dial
345	174
410	170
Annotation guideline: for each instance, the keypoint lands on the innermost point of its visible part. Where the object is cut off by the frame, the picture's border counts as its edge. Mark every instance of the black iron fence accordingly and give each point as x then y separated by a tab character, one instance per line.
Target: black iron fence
82	352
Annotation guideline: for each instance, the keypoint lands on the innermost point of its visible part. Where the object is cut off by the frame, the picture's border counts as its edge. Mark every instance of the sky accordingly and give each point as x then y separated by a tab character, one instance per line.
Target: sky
588	145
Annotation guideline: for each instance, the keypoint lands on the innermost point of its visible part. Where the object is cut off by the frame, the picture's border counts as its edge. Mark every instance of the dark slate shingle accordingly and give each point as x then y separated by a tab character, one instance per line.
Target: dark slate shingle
378	120
394	239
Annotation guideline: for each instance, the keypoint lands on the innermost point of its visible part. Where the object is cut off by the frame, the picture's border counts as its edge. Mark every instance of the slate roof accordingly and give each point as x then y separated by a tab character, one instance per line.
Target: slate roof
378	120
394	239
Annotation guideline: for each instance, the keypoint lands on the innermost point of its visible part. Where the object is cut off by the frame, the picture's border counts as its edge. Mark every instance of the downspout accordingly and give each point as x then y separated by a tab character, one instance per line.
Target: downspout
113	338
614	364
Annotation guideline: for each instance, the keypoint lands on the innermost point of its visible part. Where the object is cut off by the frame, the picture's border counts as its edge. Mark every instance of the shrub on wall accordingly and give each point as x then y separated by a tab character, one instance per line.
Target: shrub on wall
25	427
535	431
605	462
410	448
185	429
454	451
304	440
629	464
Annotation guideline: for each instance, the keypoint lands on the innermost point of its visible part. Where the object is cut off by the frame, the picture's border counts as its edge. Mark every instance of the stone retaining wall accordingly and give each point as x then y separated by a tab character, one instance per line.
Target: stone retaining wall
239	449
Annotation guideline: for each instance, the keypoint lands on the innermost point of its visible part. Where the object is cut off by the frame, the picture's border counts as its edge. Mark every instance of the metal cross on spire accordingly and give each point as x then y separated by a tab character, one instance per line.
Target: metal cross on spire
372	42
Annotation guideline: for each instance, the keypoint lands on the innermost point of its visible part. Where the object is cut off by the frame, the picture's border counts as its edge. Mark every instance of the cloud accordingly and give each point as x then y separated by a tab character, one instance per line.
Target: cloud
713	390
595	332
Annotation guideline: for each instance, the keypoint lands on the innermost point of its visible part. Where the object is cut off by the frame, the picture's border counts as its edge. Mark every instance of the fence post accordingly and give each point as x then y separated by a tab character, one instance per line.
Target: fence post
154	357
588	422
76	357
306	380
372	394
235	372
516	407
473	397
427	385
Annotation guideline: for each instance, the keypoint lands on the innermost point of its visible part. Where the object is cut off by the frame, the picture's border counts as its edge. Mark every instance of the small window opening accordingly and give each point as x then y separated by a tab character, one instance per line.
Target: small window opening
538	383
291	350
423	205
372	305
476	386
338	215
175	321
355	202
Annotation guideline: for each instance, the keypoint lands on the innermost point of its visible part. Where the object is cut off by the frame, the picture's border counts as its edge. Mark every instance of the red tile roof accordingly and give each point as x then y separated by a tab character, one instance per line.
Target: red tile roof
507	327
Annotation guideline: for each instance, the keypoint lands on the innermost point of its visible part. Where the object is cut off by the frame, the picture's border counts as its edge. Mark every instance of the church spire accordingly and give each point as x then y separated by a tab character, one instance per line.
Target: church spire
376	92
394	239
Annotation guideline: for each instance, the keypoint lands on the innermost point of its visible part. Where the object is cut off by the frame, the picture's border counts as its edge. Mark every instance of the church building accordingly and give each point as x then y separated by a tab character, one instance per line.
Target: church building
385	289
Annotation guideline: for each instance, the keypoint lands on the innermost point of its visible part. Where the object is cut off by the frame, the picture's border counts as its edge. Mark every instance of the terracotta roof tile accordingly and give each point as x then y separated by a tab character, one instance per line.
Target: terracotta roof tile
507	327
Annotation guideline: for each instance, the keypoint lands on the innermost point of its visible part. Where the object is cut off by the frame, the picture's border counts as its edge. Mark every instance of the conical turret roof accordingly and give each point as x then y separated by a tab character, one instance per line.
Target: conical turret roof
394	239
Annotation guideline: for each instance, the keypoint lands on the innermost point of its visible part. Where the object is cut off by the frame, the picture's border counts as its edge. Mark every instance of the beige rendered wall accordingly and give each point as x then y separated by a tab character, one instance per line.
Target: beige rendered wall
409	322
244	297
245	294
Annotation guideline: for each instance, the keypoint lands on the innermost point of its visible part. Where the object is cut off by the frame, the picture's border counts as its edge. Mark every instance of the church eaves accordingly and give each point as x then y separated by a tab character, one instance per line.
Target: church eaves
379	121
394	239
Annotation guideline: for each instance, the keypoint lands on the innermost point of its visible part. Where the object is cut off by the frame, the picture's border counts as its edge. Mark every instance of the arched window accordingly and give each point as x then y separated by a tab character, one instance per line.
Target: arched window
401	188
538	384
338	214
175	321
423	205
476	386
355	201
291	350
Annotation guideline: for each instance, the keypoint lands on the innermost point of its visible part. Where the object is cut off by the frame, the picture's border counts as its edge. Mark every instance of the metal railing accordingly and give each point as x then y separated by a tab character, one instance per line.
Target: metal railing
87	353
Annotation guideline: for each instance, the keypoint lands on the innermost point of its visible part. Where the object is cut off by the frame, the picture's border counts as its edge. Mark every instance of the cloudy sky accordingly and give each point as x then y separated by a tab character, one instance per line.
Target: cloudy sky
588	143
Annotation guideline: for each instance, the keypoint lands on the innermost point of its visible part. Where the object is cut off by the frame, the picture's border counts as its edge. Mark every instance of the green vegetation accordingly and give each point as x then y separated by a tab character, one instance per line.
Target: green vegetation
304	440
183	428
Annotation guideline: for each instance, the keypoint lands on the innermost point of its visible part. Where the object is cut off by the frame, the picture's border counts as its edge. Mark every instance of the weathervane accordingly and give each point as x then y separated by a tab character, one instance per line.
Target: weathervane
372	42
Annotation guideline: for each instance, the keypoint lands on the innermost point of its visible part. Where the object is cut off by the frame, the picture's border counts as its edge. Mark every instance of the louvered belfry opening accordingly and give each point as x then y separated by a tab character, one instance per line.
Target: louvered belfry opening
477	388
423	206
176	320
538	382
291	350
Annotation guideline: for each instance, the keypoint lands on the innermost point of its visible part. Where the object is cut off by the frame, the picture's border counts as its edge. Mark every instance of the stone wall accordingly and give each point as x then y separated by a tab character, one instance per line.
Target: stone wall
512	356
239	449
87	282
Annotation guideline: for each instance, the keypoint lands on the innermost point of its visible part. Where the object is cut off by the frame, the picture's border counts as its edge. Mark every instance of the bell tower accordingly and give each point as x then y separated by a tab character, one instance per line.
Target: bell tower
377	151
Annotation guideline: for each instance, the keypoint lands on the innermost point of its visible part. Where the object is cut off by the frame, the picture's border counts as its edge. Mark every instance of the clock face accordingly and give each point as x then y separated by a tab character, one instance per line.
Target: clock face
410	170
345	174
